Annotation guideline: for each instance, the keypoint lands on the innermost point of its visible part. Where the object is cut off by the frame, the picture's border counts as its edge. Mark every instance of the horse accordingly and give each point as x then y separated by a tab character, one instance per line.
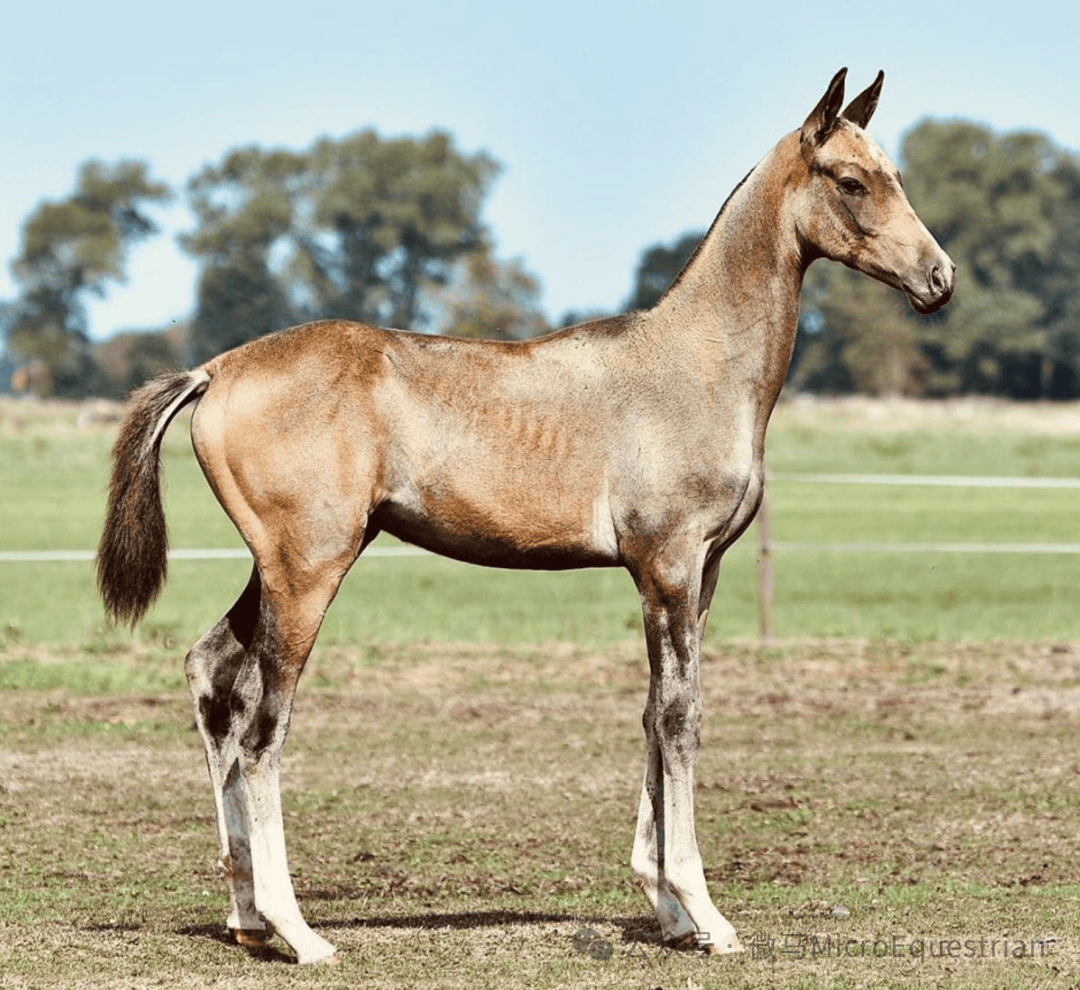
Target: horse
634	441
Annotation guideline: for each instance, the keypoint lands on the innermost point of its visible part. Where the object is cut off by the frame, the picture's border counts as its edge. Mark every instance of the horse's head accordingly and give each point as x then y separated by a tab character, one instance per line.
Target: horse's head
852	207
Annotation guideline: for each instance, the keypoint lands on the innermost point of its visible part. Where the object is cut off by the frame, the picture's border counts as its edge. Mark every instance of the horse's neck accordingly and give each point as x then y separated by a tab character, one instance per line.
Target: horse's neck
737	301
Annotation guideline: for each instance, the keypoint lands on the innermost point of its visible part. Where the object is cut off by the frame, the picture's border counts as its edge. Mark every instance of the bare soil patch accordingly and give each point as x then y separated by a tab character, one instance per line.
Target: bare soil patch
871	814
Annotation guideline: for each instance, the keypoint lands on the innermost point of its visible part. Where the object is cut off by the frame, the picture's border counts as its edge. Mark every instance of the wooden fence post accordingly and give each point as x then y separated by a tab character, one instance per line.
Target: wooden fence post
765	570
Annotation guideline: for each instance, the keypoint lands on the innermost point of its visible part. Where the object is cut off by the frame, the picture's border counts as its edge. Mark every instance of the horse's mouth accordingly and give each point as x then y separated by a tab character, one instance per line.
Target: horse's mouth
927	306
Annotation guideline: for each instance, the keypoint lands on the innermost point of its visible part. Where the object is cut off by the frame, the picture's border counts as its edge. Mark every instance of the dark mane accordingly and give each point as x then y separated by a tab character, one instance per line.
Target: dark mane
685	268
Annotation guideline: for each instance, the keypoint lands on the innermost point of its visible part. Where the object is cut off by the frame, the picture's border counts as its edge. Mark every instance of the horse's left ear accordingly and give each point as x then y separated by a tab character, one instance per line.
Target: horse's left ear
819	125
861	109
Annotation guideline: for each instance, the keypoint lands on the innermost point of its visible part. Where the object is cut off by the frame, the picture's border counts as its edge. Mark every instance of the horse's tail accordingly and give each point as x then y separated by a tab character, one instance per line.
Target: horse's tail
132	557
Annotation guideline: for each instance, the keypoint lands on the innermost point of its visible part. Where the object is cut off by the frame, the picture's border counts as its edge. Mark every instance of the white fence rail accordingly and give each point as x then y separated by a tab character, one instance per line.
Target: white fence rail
765	544
766	547
45	556
940	481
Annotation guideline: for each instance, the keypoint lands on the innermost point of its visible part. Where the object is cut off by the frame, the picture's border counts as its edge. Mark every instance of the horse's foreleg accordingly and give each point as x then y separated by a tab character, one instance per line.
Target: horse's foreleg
666	859
675	923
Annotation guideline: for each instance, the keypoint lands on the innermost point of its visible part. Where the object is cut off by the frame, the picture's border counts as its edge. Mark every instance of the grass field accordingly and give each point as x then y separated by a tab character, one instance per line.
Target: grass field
54	474
886	795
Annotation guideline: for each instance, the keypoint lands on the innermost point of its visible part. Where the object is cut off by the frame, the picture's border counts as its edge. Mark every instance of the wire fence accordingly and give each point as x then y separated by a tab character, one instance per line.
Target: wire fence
934	480
766	545
211	553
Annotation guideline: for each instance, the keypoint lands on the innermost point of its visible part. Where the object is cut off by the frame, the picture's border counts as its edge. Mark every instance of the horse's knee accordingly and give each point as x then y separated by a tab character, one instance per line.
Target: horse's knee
675	725
680	718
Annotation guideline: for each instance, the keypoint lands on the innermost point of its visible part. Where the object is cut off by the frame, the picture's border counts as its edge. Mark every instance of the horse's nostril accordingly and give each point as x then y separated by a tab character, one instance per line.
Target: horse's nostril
937	280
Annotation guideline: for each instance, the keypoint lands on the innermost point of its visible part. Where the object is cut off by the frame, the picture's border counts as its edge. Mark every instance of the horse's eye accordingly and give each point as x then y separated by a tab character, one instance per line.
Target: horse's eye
852	187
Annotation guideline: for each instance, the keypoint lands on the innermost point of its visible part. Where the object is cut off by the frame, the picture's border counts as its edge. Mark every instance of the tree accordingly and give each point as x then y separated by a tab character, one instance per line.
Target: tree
236	300
492	300
360	228
131	357
70	248
855	336
658	268
1061	286
1005	207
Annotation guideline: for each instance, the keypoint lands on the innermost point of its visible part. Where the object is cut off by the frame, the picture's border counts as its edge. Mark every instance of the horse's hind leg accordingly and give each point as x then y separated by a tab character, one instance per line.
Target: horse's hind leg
295	593
212	666
243	676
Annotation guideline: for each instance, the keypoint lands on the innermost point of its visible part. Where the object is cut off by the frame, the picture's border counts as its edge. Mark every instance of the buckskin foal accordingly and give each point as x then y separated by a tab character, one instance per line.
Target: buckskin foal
635	441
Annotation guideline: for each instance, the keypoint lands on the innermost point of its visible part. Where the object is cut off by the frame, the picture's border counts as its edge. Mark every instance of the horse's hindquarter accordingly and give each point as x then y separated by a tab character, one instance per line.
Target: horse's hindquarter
285	436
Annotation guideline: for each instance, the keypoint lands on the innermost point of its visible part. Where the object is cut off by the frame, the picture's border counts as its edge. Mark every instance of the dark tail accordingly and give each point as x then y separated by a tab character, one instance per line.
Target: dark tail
132	558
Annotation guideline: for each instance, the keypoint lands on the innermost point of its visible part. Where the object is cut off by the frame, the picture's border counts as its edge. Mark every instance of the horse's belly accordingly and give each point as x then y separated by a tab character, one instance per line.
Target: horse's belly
529	528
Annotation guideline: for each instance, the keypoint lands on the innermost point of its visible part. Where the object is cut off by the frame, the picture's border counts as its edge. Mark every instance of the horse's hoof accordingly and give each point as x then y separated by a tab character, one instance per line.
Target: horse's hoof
332	958
251	938
727	947
692	942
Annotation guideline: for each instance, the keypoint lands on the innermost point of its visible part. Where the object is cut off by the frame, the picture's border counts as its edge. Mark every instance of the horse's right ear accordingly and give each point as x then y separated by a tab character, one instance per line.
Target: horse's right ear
819	125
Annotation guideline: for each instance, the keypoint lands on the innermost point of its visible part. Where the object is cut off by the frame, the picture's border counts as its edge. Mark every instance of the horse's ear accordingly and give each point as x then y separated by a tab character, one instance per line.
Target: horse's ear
861	109
819	125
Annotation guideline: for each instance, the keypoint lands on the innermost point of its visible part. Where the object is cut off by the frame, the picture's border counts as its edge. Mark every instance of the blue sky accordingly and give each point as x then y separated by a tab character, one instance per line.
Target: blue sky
617	124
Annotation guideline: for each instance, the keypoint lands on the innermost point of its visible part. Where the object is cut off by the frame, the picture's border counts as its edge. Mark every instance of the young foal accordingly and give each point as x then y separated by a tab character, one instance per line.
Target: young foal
635	441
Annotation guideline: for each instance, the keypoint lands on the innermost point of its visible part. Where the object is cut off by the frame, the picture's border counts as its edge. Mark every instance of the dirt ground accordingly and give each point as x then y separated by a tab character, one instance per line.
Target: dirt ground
869	813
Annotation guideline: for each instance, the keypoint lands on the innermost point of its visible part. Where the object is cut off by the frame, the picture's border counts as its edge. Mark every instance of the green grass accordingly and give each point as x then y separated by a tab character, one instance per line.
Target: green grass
53	493
923	514
934	596
945	449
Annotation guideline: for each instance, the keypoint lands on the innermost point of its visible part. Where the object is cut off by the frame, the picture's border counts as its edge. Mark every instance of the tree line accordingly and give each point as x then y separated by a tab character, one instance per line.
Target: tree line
390	231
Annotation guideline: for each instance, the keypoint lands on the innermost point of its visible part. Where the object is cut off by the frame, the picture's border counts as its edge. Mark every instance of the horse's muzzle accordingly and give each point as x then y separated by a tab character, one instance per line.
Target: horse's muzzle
935	288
